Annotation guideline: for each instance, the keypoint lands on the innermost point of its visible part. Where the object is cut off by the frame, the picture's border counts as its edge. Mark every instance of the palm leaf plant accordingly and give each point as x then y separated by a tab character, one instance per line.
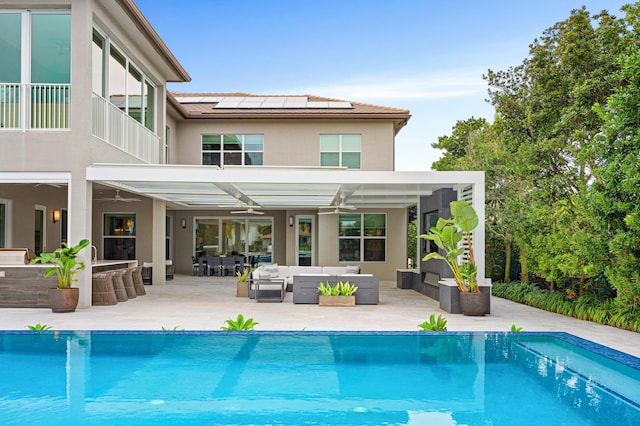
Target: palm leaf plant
447	235
239	324
434	324
340	289
64	262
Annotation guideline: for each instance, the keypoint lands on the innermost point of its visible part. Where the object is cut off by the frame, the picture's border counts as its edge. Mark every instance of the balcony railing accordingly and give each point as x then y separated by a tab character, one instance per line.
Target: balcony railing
34	106
115	127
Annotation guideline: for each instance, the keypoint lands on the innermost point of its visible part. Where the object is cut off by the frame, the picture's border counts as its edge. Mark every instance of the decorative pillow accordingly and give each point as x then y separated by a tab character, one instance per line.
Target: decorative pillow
272	268
353	269
264	275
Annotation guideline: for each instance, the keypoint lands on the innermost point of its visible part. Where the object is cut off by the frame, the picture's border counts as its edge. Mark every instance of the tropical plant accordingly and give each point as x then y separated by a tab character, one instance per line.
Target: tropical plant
243	276
39	327
340	289
515	329
447	235
175	328
65	264
239	324
434	324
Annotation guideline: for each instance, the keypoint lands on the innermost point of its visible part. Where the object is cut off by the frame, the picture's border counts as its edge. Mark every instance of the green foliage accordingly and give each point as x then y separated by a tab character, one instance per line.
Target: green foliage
434	324
174	328
412	242
590	307
39	327
616	188
447	235
560	159
243	276
340	289
515	329
239	324
65	264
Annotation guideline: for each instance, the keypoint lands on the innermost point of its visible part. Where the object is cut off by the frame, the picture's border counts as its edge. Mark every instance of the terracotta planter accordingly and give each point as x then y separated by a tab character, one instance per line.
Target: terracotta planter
63	299
242	289
474	304
337	300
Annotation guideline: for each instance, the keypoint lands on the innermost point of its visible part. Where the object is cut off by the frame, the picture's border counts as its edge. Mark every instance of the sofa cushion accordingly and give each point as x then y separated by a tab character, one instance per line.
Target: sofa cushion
352	269
297	270
334	270
283	271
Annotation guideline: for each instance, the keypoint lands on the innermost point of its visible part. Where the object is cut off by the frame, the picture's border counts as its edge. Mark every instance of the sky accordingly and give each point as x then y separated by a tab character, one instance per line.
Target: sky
426	56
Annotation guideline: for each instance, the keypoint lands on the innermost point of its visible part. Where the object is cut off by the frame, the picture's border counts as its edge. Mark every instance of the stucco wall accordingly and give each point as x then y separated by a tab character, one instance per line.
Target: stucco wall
396	257
292	142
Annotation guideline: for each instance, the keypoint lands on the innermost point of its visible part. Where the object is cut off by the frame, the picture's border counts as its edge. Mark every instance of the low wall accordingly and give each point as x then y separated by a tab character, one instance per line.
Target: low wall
305	287
24	286
445	291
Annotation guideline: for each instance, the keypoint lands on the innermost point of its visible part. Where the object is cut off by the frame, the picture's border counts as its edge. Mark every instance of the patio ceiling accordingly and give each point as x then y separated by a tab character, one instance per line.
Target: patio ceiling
273	188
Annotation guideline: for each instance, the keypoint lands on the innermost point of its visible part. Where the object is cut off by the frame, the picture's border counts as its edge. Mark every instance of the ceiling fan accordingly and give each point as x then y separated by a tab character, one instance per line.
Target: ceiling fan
118	197
339	208
248	210
54	185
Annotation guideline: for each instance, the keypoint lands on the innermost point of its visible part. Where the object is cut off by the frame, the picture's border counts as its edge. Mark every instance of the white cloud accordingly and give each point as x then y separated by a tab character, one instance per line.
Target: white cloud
426	86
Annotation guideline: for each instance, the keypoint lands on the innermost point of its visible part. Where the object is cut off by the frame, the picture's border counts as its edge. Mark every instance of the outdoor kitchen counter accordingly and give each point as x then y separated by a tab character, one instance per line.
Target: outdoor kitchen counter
24	286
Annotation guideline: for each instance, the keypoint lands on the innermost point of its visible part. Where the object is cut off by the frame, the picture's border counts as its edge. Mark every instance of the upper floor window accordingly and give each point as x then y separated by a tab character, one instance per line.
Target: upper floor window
238	150
340	150
362	237
116	78
35	69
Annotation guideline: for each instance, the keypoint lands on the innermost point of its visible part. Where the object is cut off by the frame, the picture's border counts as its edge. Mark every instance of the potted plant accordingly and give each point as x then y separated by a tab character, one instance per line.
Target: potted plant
242	286
342	294
447	235
64	298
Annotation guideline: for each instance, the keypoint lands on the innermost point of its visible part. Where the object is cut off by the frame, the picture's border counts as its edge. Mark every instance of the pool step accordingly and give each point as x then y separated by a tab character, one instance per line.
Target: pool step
588	385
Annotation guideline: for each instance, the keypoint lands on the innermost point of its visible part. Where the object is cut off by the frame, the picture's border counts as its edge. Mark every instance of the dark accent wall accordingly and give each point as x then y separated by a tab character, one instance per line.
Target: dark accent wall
437	202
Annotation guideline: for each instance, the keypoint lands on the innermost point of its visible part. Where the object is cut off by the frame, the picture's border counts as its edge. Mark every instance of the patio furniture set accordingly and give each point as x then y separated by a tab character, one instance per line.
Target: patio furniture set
218	265
270	282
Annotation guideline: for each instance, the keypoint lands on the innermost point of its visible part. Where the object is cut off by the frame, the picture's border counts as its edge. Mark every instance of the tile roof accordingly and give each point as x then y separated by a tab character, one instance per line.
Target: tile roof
277	106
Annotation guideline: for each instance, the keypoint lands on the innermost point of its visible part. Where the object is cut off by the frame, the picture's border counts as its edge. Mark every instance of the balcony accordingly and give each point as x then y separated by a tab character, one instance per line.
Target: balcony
116	128
47	106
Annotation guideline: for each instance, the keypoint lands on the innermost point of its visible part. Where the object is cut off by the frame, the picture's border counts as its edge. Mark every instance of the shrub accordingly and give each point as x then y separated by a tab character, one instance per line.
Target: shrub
239	324
434	324
590	307
340	289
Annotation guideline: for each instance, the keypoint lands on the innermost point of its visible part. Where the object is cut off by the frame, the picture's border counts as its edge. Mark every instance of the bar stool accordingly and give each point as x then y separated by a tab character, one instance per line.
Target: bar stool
118	286
147	271
127	278
138	284
102	291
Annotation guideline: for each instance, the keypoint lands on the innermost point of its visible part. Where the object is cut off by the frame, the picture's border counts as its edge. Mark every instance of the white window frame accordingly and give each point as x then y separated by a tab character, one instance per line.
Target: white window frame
363	237
25	112
340	150
106	52
221	151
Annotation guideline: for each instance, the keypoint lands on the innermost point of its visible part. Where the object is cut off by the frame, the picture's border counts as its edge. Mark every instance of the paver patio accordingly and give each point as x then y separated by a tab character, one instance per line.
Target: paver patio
203	303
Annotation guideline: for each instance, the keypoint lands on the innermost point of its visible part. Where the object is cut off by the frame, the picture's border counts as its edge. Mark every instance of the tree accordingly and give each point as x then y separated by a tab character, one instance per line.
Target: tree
549	126
617	188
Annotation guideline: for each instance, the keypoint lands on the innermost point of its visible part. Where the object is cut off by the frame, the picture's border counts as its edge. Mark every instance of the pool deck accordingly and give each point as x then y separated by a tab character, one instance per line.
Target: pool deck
204	303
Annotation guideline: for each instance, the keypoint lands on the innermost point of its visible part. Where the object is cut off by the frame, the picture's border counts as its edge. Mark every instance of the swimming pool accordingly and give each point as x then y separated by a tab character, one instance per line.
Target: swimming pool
314	378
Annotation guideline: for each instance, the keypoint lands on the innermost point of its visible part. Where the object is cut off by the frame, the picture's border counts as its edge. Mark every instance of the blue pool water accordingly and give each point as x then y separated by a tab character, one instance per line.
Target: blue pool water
284	378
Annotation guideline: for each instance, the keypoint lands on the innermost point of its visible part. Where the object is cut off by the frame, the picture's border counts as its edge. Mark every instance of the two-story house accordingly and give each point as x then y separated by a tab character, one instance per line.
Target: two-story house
94	146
